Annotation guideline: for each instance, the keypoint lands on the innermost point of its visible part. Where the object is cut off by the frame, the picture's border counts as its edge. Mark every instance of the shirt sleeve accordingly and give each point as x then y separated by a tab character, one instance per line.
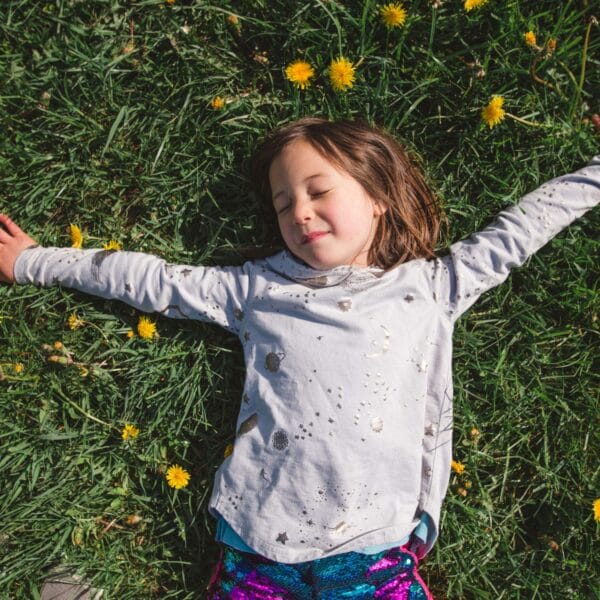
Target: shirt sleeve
484	260
213	294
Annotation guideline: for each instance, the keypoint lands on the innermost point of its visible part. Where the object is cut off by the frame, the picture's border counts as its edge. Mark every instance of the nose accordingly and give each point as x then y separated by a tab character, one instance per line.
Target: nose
302	211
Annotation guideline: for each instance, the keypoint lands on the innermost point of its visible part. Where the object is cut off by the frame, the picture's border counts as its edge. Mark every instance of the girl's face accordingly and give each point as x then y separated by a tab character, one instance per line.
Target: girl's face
325	216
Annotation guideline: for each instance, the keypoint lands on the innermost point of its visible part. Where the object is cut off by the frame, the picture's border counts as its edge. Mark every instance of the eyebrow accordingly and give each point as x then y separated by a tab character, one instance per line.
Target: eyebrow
305	180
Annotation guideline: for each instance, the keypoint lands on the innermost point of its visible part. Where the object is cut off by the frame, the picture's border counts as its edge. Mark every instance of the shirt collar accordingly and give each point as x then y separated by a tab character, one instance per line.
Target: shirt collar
348	276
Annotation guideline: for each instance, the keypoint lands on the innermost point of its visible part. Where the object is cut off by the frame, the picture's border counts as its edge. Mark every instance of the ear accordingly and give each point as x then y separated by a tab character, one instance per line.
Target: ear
379	208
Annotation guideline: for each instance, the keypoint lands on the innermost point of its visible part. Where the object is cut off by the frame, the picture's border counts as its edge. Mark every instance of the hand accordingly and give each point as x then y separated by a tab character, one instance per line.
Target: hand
13	240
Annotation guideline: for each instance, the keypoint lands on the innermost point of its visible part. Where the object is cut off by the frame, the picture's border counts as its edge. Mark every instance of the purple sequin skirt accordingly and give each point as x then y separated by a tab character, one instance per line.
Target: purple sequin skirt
390	575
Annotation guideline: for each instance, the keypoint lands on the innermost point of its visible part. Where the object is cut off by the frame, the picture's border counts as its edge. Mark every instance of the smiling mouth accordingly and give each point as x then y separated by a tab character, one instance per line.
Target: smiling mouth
311	237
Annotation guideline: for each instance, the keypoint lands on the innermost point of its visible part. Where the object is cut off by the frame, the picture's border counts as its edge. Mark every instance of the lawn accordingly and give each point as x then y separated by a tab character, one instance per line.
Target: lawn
133	120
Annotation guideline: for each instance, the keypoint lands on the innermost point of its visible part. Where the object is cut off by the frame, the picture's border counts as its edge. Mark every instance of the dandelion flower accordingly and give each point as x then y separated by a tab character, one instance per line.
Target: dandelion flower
133	519
19	367
393	15
551	45
299	73
146	328
234	21
462	491
217	103
113	245
457	467
596	506
74	321
493	113
471	4
76	236
529	38
177	477
341	74
170	1
228	450
58	345
475	432
130	334
129	432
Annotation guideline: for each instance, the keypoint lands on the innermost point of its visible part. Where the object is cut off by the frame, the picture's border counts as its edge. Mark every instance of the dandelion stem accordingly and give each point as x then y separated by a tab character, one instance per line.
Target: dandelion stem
583	62
83	412
524	121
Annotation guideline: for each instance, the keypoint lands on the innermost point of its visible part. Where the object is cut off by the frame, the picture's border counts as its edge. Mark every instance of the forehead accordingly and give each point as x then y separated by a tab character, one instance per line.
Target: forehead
297	160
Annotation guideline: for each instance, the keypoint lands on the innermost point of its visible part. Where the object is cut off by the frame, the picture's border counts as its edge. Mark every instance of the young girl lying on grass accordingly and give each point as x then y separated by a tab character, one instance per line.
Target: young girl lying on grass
344	436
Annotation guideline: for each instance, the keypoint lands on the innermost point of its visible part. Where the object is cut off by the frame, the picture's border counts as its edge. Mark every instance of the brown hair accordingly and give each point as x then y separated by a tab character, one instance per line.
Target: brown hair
409	228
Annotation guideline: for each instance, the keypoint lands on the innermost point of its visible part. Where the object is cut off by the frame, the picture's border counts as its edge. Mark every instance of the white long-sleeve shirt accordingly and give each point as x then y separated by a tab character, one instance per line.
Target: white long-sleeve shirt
344	435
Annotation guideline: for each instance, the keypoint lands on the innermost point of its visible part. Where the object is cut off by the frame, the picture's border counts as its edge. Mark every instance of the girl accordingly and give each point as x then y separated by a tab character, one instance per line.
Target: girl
344	436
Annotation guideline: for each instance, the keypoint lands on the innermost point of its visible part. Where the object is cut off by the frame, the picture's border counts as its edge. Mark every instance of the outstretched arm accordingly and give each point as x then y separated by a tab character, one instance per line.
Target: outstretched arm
484	260
213	294
13	240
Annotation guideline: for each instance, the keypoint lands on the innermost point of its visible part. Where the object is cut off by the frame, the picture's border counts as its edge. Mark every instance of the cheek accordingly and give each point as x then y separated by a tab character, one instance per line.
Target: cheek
284	230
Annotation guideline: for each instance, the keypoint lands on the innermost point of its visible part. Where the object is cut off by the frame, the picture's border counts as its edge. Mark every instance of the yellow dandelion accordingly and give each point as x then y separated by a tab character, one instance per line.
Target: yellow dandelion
129	431
228	450
596	506
76	236
74	321
475	432
234	21
471	4
58	345
393	15
341	74
217	103
299	73
457	467
146	328
170	1
19	367
130	334
177	477
493	113
113	245
530	39
551	45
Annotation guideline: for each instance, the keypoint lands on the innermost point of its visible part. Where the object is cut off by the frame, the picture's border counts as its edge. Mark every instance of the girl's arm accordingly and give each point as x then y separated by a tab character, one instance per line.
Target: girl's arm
484	260
214	294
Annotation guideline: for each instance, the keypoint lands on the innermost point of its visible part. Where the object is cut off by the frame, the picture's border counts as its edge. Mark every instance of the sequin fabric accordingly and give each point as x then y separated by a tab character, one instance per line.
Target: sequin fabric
389	575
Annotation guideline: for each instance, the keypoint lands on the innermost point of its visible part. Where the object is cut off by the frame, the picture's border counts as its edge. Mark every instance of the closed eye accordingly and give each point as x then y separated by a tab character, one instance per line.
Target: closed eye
312	195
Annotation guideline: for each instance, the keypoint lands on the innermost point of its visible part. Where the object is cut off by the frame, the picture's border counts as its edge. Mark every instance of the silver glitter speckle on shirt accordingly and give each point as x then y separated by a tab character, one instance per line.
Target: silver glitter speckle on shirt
385	345
250	423
97	260
280	440
273	361
283	537
430	430
345	304
377	424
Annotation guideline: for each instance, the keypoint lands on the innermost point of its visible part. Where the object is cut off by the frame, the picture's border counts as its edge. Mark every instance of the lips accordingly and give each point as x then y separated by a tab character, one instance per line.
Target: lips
311	237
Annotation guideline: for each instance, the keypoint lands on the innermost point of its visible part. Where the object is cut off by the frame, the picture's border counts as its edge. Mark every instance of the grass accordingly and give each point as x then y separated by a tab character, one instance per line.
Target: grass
106	121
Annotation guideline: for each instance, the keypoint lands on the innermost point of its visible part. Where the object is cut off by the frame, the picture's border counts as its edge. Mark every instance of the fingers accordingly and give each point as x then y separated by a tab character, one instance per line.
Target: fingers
4	237
10	225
